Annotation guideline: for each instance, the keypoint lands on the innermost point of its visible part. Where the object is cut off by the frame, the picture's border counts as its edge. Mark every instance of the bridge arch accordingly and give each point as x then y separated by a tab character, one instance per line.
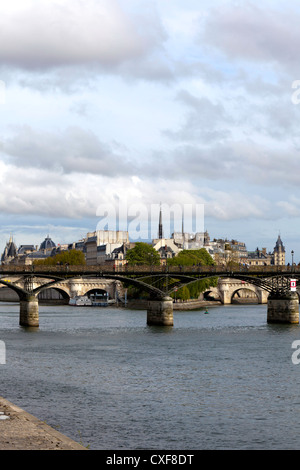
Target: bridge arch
100	293
53	295
211	294
228	287
245	294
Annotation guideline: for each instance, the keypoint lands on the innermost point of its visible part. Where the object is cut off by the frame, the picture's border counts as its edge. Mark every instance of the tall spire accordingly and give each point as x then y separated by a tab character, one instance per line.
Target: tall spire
160	227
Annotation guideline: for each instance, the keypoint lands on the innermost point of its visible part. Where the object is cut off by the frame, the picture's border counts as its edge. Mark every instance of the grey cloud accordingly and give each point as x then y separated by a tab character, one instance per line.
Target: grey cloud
251	32
236	162
72	151
205	122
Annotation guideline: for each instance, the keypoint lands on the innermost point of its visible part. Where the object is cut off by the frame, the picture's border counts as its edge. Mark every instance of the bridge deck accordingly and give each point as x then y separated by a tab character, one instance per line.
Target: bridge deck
102	270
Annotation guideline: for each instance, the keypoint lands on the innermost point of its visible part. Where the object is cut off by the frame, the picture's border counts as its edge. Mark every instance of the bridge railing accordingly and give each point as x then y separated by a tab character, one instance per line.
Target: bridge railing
136	269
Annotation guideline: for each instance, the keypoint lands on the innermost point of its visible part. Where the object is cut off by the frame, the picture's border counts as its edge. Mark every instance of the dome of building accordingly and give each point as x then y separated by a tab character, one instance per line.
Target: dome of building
47	244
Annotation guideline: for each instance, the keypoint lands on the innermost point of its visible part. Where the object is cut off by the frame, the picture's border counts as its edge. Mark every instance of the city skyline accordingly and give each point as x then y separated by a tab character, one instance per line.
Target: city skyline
180	103
179	240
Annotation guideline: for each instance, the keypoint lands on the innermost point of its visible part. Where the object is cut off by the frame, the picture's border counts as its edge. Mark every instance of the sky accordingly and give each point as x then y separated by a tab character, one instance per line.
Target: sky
149	102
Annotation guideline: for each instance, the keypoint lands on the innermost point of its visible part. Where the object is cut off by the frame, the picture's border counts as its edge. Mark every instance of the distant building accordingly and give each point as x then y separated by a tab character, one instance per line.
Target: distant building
191	241
279	253
259	257
237	248
26	254
166	249
262	258
80	246
10	251
224	251
118	255
47	245
47	248
99	245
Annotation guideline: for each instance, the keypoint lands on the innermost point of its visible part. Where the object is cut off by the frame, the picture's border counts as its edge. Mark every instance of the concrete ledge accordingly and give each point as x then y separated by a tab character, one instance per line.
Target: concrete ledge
20	430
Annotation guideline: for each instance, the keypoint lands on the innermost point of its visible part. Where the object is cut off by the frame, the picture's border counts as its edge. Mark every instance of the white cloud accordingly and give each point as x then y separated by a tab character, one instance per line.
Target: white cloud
150	101
74	32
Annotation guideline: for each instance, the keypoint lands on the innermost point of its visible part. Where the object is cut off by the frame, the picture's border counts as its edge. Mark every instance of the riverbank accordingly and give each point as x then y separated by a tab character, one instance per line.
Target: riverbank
179	305
20	430
195	304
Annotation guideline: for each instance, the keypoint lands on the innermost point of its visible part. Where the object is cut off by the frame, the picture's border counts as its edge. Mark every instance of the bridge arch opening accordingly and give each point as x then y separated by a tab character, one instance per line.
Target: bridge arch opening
8	295
98	294
53	295
244	296
211	295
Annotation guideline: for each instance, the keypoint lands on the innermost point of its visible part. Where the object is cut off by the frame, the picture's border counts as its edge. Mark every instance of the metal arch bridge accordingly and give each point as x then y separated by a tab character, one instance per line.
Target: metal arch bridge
158	281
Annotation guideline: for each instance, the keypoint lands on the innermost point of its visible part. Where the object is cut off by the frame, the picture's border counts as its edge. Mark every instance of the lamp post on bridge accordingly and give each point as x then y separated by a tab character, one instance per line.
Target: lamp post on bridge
292	253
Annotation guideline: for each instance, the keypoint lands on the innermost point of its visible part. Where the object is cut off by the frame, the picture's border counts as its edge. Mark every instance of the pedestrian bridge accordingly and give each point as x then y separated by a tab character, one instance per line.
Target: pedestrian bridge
158	281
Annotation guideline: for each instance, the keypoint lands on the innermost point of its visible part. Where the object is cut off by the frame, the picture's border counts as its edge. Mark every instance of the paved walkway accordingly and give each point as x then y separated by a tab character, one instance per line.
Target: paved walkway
20	430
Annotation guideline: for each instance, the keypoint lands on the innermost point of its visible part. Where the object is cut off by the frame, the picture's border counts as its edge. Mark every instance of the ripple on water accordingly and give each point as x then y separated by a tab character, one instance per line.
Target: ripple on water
218	381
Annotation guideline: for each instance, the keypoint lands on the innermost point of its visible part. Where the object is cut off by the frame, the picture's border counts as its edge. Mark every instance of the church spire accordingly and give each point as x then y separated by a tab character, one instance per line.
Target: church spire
160	227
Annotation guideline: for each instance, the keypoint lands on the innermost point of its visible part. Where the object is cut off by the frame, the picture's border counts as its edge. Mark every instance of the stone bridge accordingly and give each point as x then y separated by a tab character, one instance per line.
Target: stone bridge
227	288
66	289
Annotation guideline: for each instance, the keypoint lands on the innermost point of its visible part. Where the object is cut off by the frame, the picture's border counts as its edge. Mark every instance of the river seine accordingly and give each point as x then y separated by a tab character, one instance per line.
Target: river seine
101	376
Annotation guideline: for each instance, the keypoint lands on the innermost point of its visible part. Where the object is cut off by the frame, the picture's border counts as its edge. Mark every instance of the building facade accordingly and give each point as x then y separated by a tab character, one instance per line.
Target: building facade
27	254
100	245
259	257
279	253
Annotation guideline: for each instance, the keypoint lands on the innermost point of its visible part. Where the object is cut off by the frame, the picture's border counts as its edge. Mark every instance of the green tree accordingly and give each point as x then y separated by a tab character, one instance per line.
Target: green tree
183	293
143	254
192	257
71	257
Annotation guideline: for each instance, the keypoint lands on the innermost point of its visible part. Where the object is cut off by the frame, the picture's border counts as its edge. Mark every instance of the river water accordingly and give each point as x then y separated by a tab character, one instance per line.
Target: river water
101	376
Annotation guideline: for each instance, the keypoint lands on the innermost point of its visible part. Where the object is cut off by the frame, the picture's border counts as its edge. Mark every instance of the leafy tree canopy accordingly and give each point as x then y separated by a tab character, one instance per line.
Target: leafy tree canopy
71	257
143	254
192	257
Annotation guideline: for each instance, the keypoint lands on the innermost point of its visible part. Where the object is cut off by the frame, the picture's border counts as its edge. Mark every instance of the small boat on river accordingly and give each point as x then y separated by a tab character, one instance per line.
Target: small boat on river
92	301
80	301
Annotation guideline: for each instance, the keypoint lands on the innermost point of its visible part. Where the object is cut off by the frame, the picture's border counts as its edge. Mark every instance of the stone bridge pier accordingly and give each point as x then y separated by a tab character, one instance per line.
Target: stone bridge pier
29	311
160	312
283	308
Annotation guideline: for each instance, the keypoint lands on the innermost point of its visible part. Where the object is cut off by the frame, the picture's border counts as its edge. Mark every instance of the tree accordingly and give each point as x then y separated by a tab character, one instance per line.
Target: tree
231	258
192	257
183	293
71	257
143	254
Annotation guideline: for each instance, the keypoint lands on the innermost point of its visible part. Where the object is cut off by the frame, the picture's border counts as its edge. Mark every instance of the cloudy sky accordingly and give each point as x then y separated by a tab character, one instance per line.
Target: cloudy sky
191	102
